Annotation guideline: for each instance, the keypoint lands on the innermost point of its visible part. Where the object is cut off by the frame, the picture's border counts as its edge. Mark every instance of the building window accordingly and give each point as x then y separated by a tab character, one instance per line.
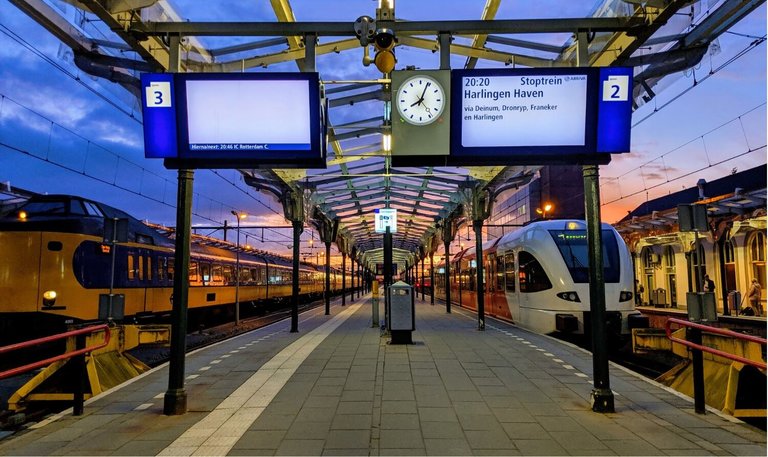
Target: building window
757	257
647	256
669	267
730	264
699	263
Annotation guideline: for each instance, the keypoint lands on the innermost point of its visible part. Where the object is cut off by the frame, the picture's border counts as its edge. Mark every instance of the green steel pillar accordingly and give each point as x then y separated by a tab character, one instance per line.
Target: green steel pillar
449	228
298	227
447	245
327	278
343	278
602	395
478	226
432	278
175	400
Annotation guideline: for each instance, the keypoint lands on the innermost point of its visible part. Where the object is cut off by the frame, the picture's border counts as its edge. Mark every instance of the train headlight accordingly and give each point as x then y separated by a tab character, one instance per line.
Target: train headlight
22	215
569	296
625	295
49	298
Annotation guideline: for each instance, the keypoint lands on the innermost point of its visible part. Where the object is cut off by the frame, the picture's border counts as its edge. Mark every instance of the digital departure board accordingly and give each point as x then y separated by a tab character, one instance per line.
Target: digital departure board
234	120
539	116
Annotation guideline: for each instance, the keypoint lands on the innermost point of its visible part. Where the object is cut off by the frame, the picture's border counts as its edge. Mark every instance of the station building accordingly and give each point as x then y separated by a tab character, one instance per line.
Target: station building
559	185
731	252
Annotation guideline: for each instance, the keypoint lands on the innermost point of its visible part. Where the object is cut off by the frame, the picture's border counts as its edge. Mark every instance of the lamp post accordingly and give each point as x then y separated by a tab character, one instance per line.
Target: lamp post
547	208
239	216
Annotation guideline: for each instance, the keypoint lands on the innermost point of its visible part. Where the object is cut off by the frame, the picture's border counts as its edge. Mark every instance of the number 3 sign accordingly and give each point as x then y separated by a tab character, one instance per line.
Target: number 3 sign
159	95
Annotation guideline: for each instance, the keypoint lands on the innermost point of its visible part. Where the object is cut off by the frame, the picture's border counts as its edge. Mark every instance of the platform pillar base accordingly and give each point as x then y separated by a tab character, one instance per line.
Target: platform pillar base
602	401
175	402
401	337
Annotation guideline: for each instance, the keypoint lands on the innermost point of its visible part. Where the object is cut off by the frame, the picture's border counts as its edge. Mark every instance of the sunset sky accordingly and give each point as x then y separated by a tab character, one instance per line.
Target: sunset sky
63	131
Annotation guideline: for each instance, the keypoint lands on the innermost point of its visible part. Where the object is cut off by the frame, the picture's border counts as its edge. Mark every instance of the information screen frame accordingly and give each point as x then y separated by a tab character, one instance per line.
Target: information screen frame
183	156
588	153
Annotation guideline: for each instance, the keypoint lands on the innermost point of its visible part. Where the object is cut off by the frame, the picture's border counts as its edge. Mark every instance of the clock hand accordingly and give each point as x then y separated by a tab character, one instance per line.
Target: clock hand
421	99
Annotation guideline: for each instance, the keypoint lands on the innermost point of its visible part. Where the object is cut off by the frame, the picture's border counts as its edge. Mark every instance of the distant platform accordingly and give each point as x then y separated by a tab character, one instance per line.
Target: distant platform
338	388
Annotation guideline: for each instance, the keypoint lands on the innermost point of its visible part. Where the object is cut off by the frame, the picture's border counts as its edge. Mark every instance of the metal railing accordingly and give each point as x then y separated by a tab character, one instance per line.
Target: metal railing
717	331
694	342
80	352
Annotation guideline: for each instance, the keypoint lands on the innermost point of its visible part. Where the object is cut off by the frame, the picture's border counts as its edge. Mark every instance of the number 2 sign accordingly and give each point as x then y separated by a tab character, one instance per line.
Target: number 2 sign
616	88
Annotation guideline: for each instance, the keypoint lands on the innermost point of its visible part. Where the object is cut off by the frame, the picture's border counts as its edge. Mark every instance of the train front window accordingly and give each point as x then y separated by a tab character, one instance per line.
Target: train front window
76	207
44	208
93	210
572	245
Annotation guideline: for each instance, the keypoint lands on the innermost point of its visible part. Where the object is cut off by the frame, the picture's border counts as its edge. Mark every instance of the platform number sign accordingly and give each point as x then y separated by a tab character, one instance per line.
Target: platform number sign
616	88
159	94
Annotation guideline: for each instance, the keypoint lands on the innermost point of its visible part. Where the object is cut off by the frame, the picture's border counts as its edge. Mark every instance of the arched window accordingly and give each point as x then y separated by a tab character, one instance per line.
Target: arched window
648	258
730	264
757	257
699	264
669	270
669	257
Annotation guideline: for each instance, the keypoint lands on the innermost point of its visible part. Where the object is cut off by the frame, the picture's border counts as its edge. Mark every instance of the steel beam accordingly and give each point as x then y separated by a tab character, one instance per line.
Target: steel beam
401	28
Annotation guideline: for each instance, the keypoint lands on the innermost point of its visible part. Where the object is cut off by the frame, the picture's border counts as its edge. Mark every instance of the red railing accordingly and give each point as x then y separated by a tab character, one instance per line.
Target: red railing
718	331
48	339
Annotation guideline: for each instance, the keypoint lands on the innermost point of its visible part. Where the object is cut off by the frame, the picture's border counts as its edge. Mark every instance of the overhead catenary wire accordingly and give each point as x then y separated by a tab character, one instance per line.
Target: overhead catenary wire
12	35
710	163
754	44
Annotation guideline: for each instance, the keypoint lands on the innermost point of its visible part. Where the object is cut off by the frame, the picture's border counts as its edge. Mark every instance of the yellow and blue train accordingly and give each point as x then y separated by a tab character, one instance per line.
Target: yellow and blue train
54	265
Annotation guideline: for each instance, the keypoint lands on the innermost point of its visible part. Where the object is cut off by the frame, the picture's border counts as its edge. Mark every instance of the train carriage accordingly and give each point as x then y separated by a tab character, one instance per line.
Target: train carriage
537	277
54	266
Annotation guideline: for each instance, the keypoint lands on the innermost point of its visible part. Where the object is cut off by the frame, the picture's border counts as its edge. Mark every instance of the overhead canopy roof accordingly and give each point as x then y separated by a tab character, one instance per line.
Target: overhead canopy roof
359	177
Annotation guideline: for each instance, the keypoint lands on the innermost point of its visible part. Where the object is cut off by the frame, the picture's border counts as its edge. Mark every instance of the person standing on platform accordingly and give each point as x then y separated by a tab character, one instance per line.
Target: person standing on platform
709	285
754	297
639	289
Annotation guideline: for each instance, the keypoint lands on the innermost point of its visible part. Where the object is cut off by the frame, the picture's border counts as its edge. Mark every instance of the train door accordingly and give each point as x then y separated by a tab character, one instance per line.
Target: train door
511	285
498	298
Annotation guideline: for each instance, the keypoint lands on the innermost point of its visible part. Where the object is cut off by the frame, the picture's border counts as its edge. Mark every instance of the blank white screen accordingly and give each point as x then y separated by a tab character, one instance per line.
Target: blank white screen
254	111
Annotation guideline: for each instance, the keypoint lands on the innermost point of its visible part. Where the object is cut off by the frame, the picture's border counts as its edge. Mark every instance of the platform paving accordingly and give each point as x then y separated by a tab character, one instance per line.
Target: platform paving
338	388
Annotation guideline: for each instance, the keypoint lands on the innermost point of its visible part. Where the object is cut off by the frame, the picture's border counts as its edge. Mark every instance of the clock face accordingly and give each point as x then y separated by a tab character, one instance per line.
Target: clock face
420	100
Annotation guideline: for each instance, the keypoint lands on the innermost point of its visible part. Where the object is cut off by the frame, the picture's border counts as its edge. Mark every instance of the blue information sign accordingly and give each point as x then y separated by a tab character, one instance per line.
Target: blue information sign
234	120
539	116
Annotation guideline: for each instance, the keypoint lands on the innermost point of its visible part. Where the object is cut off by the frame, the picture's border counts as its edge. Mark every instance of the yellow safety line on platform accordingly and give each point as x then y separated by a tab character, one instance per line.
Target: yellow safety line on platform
223	427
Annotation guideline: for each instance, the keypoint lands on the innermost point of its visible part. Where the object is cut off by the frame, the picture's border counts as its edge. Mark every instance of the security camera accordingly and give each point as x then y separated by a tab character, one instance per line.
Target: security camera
385	39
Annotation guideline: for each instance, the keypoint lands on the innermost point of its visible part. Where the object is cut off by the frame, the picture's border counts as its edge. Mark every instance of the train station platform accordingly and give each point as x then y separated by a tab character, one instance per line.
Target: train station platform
338	388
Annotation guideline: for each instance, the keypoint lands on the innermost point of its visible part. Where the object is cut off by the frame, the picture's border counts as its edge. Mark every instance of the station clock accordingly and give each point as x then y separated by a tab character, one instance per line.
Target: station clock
420	100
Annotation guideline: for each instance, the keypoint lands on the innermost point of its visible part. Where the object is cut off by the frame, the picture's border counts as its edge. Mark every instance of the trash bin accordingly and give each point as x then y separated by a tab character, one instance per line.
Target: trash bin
734	302
402	316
